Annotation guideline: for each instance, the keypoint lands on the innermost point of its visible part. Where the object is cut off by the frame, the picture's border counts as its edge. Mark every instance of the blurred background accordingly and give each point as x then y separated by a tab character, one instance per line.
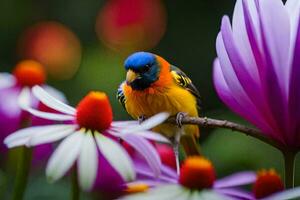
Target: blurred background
83	43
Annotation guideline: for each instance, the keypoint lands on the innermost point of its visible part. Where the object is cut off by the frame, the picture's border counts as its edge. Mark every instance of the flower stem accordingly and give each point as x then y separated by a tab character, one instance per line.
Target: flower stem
22	173
289	168
75	193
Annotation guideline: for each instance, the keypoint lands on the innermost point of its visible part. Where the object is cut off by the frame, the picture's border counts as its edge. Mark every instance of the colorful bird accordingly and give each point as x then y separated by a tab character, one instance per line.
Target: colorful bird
153	85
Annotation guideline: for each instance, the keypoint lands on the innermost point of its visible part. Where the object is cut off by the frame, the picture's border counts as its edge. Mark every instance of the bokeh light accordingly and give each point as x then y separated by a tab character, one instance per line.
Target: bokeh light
131	25
54	45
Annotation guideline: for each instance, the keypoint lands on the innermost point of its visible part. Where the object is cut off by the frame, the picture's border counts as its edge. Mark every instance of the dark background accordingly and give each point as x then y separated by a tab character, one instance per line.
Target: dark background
189	43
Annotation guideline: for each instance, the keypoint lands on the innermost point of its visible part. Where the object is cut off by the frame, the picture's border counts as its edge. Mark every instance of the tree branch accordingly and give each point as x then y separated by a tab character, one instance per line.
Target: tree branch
215	123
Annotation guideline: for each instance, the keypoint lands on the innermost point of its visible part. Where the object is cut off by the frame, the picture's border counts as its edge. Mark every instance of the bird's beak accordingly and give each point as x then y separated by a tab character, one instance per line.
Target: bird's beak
130	76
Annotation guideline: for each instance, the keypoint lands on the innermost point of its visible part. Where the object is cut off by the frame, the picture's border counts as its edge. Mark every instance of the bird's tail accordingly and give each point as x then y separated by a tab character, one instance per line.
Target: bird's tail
190	145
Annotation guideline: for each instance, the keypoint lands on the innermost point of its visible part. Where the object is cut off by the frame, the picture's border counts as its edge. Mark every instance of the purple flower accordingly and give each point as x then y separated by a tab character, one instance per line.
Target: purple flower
109	183
257	70
117	186
90	132
196	181
284	195
26	74
269	186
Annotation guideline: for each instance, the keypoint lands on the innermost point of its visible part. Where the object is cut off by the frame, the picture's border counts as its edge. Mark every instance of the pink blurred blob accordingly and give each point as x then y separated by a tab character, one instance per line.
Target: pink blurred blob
166	154
54	45
131	25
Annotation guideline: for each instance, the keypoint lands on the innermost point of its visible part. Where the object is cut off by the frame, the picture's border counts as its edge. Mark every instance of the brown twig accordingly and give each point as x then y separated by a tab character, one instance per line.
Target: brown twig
215	123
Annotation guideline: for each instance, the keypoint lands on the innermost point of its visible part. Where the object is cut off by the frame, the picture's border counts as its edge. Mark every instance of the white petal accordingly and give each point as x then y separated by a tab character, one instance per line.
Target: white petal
122	124
64	156
185	194
50	116
51	135
172	188
168	192
7	80
142	196
24	99
171	191
146	150
21	137
284	195
116	156
114	133
153	136
150	135
24	103
16	143
55	93
87	162
149	123
52	102
195	195
209	194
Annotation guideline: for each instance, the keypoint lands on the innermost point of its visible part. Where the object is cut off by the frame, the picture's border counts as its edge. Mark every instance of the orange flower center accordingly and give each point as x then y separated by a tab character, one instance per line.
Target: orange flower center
29	73
94	112
267	183
197	173
136	188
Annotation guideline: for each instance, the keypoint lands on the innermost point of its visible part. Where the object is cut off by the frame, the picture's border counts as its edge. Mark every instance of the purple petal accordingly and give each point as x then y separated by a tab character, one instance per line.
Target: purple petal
223	90
10	113
227	95
253	31
249	82
275	32
7	80
169	172
275	27
294	92
41	153
247	108
236	194
293	9
254	34
230	76
143	171
150	135
252	9
239	33
108	179
287	194
237	179
146	150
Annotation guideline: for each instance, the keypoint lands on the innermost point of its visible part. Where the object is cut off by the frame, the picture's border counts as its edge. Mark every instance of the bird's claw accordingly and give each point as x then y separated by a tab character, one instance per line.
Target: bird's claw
141	118
179	117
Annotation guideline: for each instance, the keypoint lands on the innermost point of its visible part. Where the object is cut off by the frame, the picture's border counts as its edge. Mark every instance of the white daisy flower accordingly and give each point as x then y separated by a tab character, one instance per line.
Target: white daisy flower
197	180
89	133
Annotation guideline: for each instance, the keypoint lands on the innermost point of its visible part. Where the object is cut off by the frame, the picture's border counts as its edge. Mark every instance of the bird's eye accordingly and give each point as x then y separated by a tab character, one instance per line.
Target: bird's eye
146	68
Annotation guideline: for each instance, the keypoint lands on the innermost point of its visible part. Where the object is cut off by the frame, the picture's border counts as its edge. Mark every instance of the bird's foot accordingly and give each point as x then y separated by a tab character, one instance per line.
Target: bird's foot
179	117
141	118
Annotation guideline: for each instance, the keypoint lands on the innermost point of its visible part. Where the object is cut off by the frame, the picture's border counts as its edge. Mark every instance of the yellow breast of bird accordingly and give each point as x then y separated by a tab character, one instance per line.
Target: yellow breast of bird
172	99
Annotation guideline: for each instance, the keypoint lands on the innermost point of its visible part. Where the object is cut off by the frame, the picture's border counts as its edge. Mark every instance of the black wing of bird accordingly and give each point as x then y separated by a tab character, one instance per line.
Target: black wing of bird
184	81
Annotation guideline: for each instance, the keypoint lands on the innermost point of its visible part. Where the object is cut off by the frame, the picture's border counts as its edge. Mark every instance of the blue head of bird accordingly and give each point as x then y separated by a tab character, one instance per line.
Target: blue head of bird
142	70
